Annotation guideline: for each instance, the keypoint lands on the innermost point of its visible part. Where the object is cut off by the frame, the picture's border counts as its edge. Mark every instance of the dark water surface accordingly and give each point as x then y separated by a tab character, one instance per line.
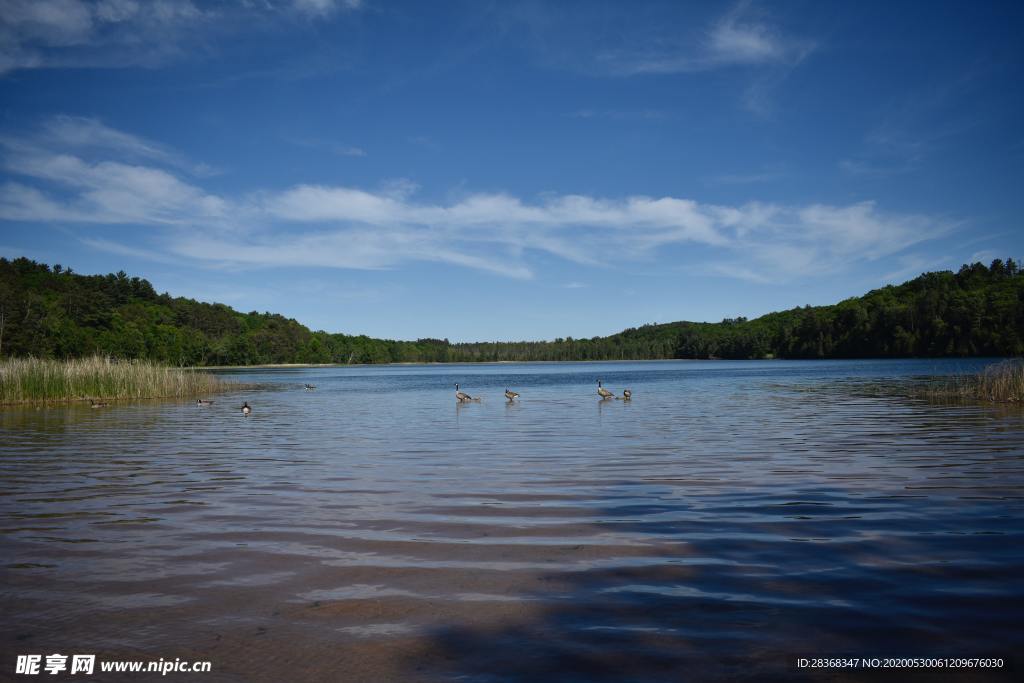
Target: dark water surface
732	517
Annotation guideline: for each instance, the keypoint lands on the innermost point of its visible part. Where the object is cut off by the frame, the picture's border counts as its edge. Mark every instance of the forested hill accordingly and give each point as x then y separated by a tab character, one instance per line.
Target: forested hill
55	313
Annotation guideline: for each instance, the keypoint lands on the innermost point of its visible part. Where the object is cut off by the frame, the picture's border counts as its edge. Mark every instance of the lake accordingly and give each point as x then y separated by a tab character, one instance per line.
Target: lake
728	520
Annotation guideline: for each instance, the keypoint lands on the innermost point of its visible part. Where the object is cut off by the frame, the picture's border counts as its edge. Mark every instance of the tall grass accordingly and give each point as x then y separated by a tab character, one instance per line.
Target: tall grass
35	379
1001	382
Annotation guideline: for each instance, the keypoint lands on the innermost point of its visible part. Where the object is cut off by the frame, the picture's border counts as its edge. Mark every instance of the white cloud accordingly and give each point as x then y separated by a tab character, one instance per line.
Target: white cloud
117	33
84	135
125	250
340	149
733	41
323	8
425	142
20	202
912	265
79	132
77	33
350	151
985	256
116	10
783	242
735	271
916	125
103	192
619	114
55	23
764	176
738	38
62	179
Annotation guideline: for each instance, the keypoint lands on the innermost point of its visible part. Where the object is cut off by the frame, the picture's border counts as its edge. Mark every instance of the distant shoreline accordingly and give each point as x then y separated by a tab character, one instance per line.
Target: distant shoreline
275	366
919	318
272	366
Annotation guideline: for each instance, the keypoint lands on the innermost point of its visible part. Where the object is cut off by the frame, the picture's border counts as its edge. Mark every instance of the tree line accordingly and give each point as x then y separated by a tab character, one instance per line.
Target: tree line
53	312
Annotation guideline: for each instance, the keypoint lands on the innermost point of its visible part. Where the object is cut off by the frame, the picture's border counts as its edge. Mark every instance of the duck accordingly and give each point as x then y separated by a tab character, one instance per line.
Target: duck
602	392
511	395
462	396
246	409
98	404
627	394
203	402
309	387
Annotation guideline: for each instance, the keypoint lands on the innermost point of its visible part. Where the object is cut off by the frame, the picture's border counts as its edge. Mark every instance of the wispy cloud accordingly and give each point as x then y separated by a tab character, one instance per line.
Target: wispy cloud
862	167
766	175
915	126
984	256
356	228
912	265
336	148
74	154
620	114
734	271
742	37
322	8
82	134
116	33
113	247
349	151
425	142
76	33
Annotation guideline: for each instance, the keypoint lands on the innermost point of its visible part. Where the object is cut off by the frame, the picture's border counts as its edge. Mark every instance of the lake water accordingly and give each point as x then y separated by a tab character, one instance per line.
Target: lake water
730	518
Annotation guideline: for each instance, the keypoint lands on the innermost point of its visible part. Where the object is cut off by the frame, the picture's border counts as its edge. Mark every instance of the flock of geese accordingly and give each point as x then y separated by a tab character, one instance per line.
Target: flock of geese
463	397
460	396
205	403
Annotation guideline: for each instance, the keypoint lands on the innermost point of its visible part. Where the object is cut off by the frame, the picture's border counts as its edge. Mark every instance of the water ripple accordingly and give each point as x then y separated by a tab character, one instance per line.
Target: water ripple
728	517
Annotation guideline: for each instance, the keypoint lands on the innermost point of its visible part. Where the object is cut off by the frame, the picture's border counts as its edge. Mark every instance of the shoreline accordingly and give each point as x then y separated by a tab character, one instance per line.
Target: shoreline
273	366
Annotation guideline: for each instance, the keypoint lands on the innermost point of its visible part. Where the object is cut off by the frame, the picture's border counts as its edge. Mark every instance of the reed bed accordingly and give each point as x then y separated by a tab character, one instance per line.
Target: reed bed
1001	383
25	380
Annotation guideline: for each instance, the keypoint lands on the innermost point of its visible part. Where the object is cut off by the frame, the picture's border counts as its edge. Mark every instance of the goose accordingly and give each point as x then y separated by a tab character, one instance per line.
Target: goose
511	395
246	409
203	402
98	404
602	392
309	387
462	396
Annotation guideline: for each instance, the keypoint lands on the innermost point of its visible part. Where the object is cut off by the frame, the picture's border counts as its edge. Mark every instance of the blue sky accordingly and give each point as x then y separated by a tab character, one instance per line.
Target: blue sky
511	170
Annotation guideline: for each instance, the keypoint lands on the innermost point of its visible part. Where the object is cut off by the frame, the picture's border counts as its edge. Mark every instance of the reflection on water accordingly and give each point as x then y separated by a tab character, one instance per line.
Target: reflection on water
729	518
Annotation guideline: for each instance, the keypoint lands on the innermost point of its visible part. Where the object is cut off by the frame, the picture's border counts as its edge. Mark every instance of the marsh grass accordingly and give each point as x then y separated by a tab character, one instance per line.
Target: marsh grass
25	380
1000	383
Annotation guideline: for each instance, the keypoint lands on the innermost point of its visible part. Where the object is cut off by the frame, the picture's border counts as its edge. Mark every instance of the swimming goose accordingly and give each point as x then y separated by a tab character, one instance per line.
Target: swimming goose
98	404
309	387
602	392
462	396
203	402
511	395
246	409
